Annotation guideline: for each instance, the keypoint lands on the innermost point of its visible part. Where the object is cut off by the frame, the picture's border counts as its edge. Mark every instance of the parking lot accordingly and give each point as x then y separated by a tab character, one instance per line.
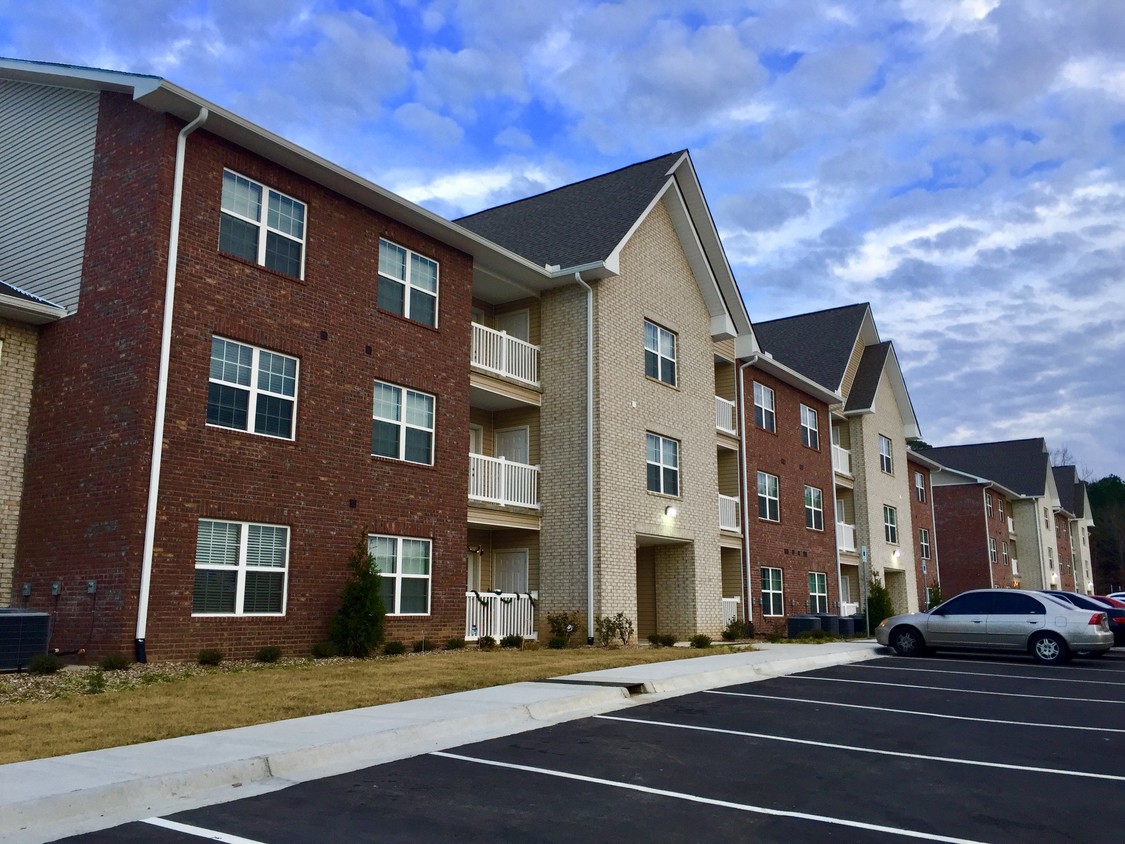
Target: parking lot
954	747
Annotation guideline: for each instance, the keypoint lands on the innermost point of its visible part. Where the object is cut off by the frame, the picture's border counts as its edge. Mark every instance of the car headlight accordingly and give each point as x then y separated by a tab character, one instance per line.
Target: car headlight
883	623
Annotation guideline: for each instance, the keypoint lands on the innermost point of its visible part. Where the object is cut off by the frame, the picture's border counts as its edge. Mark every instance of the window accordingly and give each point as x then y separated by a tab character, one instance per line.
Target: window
814	508
660	354
662	456
1051	557
1013	603
763	407
992	550
890	524
241	227
886	457
988	504
1007	556
1046	519
404	564
1000	505
402	426
818	591
920	486
408	283
769	505
773	599
810	433
924	542
248	383
968	603
240	568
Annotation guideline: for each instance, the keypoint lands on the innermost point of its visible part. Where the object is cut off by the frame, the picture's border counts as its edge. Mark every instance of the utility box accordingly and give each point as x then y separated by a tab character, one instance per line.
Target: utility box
847	626
829	623
24	635
798	624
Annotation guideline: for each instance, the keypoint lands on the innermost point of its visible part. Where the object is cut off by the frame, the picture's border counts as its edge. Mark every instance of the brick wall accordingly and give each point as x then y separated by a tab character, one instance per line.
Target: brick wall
963	531
17	371
1065	558
921	516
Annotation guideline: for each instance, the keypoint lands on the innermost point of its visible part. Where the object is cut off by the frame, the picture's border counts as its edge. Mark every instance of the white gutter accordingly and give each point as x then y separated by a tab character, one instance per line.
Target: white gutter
589	457
162	387
933	541
745	487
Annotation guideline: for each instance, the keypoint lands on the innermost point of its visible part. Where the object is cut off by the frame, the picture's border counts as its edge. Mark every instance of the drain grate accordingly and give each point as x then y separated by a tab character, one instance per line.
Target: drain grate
632	688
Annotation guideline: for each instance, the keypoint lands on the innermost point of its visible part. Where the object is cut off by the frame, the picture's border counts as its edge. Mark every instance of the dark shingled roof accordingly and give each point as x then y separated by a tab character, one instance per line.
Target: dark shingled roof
866	384
817	345
1020	465
576	224
1066	479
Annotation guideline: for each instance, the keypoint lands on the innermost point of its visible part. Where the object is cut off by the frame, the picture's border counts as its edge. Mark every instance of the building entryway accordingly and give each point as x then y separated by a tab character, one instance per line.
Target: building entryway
646	593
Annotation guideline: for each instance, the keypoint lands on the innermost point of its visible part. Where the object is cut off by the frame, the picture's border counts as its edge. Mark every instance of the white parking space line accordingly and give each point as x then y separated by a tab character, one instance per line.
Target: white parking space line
919	712
199	832
951	689
978	674
709	801
857	749
1022	664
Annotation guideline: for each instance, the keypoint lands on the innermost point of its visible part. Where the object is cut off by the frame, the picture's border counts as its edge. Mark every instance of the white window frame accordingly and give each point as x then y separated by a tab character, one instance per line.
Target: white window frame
890	524
242	566
408	284
1007	555
397	576
664	363
404	394
1000	506
810	427
818	592
814	508
770	497
264	228
255	391
988	504
771	595
924	543
662	466
765	408
920	487
886	455
992	557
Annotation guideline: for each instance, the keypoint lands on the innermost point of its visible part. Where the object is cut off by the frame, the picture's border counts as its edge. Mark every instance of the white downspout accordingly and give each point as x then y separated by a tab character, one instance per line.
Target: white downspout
162	387
589	458
933	541
741	393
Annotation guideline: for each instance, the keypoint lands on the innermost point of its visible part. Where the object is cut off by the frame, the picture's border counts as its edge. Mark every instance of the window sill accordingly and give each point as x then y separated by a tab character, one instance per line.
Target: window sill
400	462
675	386
407	319
239	260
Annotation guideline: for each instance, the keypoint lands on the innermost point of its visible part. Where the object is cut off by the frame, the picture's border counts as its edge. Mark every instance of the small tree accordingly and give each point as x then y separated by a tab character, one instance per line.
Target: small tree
879	604
933	595
357	628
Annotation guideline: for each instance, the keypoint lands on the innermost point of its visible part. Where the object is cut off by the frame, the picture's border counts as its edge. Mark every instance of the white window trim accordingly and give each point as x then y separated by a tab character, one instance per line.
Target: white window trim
398	576
243	568
924	543
988	504
679	479
661	358
886	457
408	285
815	510
254	390
992	556
821	579
1007	555
263	224
779	592
890	525
775	498
403	424
1000	506
766	401
810	433
920	487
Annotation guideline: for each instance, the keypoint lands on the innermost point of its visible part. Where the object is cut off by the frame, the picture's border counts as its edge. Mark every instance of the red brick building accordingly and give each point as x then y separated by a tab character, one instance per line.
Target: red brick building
928	574
1067	580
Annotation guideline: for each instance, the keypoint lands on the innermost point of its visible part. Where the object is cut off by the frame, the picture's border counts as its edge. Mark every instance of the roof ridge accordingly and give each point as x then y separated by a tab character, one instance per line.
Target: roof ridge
814	313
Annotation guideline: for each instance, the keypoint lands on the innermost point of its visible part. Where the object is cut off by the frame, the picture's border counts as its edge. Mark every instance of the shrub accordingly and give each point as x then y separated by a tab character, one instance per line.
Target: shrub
423	646
394	648
455	644
210	656
700	640
44	664
324	650
738	629
564	624
610	627
95	683
662	640
357	628
512	640
933	595
270	653
817	635
531	645
879	604
115	661
557	643
486	643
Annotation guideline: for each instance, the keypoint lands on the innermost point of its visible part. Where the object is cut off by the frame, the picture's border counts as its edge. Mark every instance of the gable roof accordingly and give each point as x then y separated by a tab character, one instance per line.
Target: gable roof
1019	465
818	345
21	306
867	377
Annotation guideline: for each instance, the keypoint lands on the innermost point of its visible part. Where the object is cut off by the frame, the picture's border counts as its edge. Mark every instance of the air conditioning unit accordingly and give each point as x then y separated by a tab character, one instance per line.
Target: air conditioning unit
24	635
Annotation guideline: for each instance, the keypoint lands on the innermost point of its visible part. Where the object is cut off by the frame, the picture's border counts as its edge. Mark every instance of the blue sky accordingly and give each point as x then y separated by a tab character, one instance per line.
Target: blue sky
959	164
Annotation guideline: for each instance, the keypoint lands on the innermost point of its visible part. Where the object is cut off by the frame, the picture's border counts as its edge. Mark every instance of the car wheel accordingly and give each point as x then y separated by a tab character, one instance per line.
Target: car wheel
907	641
1049	648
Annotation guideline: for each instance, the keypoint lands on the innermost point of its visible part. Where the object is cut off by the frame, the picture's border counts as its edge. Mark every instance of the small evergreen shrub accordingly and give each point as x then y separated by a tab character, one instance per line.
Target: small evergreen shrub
270	653
512	640
394	648
564	624
455	644
486	643
357	627
324	650
701	640
44	664
933	595
95	683
423	646
115	661
210	656
556	643
879	604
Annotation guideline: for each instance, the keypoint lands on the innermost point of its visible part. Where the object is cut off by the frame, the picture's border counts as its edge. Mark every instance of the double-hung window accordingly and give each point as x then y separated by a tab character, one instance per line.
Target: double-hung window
660	353
814	508
769	499
988	504
1007	555
240	568
662	460
773	598
404	564
818	591
890	524
924	542
402	425
764	416
251	389
886	455
261	225
810	433
408	283
992	558
920	486
1000	505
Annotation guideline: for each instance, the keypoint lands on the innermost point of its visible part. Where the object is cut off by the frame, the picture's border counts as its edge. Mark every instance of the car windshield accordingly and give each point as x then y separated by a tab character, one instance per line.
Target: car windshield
1062	602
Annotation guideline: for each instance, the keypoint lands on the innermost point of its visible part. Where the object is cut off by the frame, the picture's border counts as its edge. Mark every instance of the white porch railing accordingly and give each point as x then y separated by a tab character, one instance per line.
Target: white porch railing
728	513
500	481
500	614
845	536
841	460
848	608
725	416
500	352
730	610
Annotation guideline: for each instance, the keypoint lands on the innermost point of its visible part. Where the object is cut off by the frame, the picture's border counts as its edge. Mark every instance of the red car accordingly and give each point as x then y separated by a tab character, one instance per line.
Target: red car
1113	602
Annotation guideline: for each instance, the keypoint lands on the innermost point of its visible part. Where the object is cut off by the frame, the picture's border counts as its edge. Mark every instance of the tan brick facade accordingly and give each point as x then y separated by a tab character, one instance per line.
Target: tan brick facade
17	369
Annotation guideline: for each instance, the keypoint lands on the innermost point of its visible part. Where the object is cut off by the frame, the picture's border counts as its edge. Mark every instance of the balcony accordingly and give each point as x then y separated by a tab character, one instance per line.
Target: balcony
497	480
726	417
1011	526
728	513
502	354
841	460
845	537
500	614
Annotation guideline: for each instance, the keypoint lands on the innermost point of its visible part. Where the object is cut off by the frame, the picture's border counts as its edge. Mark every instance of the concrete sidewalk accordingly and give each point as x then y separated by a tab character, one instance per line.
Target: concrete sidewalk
47	799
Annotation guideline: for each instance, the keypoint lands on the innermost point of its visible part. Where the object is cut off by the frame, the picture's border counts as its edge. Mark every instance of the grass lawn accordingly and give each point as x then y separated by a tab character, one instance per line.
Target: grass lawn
51	715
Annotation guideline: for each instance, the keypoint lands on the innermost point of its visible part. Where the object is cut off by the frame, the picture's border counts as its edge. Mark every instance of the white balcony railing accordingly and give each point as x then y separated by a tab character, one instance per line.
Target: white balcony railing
730	610
1011	525
1015	566
500	614
500	481
500	352
728	513
725	416
845	536
841	460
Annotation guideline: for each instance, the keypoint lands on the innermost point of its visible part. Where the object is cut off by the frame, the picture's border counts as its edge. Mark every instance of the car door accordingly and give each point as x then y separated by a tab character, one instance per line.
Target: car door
1012	618
960	622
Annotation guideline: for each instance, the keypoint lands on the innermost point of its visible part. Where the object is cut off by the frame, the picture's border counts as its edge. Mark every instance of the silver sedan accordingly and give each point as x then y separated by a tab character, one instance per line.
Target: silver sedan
1000	620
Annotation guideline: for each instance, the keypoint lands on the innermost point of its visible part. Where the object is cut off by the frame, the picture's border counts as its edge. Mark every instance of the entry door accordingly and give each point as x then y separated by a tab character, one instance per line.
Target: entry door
509	571
476	439
516	323
513	444
845	588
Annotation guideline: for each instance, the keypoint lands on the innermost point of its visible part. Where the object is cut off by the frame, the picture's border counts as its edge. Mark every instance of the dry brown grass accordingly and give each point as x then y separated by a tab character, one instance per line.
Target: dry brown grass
175	701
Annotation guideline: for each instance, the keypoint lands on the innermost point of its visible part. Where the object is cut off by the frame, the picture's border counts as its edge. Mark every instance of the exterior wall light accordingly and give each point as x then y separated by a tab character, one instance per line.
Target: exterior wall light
670	511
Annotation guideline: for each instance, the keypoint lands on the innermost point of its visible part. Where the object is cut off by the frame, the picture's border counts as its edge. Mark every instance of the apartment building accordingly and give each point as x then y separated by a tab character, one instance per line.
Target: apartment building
1074	500
927	572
